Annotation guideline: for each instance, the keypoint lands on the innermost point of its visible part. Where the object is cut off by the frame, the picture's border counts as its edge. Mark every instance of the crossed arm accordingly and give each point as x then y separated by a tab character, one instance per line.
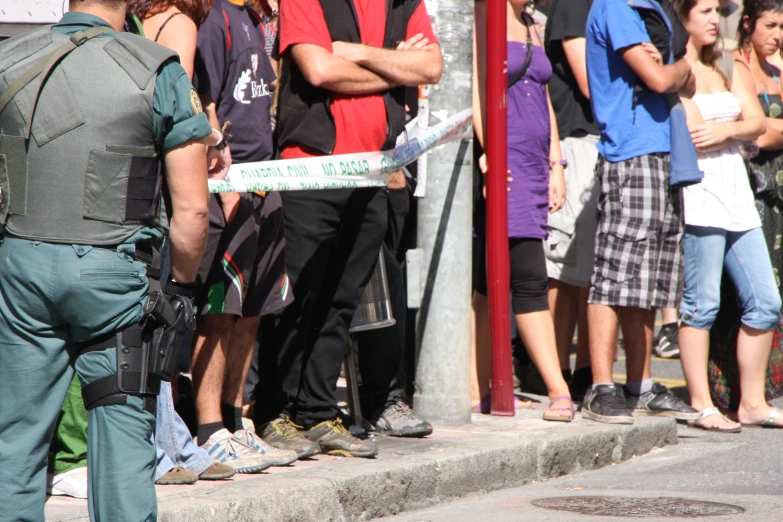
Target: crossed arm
362	69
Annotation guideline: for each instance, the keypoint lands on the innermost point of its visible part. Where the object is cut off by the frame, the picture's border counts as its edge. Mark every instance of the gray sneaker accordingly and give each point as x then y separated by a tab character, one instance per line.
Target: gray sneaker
248	437
659	401
224	448
399	420
282	433
334	439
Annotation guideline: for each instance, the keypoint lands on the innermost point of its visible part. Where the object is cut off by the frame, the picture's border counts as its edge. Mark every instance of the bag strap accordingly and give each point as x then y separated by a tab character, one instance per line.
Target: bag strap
528	55
163	25
44	67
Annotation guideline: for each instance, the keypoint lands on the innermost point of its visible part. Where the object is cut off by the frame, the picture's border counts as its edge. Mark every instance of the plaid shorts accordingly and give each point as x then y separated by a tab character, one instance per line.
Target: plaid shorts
638	248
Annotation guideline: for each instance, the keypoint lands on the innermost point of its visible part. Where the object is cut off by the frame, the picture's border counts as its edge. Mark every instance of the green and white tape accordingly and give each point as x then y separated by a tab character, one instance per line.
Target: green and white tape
367	169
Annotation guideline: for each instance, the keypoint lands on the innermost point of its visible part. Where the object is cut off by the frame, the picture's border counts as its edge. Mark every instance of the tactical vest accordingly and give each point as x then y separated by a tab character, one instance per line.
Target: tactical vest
89	172
305	110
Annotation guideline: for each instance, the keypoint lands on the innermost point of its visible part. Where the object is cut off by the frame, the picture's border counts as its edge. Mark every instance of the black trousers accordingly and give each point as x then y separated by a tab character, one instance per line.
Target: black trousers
332	242
382	351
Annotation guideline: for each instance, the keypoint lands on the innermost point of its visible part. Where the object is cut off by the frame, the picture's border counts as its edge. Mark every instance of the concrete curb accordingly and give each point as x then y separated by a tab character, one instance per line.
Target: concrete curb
367	489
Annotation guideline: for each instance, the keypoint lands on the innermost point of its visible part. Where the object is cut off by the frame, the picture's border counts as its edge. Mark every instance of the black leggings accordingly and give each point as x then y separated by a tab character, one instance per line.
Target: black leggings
529	279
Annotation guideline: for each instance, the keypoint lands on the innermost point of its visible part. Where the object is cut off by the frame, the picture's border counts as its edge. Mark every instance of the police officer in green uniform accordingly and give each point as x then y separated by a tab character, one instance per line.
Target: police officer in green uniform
89	115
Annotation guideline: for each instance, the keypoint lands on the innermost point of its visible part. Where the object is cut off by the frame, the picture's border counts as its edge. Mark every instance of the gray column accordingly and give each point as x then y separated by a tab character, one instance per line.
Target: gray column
445	236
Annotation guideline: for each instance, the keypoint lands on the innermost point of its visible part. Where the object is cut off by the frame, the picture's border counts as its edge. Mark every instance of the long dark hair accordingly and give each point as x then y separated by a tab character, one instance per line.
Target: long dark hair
753	9
196	10
709	53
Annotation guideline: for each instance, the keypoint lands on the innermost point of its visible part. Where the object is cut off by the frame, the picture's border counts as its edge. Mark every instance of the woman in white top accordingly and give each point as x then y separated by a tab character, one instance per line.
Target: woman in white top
723	227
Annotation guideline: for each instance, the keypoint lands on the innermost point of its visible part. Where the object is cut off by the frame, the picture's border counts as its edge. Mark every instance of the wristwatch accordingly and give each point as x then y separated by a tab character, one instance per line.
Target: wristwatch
562	162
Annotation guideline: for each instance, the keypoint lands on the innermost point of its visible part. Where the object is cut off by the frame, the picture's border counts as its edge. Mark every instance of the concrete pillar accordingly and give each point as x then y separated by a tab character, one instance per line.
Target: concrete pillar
445	235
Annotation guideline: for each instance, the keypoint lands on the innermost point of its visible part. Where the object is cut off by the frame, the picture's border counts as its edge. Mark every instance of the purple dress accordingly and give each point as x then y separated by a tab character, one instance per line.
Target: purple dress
528	144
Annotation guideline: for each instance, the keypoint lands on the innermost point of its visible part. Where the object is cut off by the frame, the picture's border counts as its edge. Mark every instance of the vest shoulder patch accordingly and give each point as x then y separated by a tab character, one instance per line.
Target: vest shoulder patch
139	57
16	50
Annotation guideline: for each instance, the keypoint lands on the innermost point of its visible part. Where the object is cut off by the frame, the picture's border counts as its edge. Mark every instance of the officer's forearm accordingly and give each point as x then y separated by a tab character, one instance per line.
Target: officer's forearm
186	174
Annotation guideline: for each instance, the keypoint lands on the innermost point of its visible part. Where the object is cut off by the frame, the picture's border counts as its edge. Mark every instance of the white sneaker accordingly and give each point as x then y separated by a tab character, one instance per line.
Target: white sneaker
223	447
70	484
276	457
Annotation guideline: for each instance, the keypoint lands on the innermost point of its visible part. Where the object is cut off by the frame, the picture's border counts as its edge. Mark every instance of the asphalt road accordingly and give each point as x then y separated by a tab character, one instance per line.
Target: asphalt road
744	470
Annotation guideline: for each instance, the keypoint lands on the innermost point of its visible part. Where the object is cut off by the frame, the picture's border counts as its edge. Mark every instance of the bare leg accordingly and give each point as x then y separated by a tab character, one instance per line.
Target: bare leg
238	359
538	334
583	332
564	306
602	321
209	364
753	348
481	356
694	356
637	326
670	315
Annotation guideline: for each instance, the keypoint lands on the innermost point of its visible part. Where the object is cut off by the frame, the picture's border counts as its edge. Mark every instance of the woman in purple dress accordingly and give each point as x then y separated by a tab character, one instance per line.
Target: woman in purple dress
536	187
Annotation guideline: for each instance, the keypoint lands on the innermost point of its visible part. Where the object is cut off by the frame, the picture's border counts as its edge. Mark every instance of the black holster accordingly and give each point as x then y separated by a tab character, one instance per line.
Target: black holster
146	353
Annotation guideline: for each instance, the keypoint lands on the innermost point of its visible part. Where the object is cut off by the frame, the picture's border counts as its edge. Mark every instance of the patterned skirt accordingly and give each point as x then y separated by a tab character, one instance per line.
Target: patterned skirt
767	181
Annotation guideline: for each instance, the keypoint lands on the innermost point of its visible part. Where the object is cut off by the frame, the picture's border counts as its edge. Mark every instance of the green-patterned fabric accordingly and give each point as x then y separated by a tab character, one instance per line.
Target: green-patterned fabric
69	446
766	179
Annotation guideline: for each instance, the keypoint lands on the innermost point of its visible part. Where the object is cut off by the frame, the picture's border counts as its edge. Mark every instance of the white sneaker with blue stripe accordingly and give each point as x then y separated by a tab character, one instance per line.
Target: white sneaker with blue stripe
247	437
223	447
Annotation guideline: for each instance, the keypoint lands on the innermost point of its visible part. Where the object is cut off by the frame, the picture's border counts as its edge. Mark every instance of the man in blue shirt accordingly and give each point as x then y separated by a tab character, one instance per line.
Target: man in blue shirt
638	257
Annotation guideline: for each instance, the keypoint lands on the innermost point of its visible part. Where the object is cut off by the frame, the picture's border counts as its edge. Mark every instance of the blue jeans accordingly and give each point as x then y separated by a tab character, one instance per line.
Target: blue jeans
173	442
744	255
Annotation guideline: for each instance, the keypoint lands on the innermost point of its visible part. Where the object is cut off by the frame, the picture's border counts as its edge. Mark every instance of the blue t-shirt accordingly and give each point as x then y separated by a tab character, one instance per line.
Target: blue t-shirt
631	125
233	68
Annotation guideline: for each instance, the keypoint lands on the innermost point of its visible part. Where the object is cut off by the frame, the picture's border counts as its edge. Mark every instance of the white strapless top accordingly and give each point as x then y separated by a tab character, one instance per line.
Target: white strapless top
724	198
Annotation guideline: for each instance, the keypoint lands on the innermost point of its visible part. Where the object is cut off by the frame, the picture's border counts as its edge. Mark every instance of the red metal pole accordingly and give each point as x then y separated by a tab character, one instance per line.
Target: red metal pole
497	210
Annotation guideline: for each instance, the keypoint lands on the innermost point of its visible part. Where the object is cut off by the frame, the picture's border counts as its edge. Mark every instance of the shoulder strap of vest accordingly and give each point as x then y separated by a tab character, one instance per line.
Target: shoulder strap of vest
44	67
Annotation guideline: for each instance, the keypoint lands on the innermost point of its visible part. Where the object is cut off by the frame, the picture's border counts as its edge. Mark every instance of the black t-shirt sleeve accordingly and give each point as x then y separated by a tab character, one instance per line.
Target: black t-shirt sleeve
568	19
212	59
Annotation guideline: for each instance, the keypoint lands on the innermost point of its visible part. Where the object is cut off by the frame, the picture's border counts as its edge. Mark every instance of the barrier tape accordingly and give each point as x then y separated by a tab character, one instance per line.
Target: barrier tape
367	169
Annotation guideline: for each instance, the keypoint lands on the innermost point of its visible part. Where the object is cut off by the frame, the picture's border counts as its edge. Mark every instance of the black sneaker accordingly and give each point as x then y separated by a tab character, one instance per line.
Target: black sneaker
666	344
606	403
659	401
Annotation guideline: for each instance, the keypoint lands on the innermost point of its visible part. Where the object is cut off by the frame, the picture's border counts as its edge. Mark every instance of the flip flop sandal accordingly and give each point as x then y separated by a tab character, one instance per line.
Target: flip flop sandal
708	412
65	484
769	422
557	418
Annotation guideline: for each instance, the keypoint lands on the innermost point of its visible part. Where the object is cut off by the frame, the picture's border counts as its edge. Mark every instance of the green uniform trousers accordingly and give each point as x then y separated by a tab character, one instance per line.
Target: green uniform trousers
52	296
69	447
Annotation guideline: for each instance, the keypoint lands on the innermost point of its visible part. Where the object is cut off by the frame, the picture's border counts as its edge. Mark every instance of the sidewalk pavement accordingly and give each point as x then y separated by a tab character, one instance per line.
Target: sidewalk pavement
490	454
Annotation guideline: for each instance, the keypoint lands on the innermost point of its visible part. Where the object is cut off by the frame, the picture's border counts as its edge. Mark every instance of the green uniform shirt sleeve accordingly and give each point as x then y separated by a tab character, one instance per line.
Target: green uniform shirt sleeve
178	117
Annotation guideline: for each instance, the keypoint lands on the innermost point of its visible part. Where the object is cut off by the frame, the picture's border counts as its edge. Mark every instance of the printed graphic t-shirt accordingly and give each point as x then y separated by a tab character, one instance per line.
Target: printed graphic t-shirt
631	125
232	67
567	19
360	121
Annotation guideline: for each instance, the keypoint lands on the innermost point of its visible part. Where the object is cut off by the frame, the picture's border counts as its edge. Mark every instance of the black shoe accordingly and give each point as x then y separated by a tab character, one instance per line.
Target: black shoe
659	401
581	381
666	343
606	403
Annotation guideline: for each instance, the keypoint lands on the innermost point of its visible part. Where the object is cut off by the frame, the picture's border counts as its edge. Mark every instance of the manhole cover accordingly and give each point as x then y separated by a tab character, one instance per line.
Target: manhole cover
638	507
